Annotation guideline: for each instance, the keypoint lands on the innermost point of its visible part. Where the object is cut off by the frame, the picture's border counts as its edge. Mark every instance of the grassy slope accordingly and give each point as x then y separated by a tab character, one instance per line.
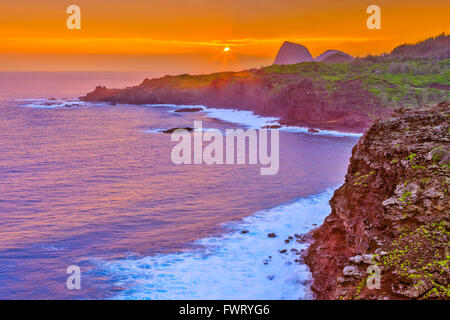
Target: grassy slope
397	84
338	95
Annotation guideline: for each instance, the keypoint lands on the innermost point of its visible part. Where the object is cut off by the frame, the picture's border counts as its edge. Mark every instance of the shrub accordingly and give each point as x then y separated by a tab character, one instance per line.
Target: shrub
399	68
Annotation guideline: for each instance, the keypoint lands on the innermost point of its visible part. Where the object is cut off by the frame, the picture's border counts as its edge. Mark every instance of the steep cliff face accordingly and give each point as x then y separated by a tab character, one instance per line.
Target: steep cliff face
339	96
297	100
393	211
291	53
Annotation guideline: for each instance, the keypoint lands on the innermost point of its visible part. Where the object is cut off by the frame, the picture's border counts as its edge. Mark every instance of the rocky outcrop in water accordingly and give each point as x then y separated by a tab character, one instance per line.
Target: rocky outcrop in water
183	110
172	130
393	212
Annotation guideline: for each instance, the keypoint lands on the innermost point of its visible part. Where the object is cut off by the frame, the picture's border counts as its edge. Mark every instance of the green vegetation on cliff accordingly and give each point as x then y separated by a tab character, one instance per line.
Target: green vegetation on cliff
392	212
421	259
339	96
395	83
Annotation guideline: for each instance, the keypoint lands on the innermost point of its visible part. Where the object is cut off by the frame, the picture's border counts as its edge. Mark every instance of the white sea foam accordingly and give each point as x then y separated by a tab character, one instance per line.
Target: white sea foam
159	130
242	117
50	103
321	132
231	266
251	120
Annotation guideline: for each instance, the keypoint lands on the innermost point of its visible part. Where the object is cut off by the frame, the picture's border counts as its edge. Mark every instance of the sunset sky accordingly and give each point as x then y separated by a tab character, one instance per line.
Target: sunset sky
176	36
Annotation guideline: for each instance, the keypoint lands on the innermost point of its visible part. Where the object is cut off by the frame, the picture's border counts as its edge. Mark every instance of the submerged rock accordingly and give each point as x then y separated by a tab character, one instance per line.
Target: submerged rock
189	110
172	130
272	126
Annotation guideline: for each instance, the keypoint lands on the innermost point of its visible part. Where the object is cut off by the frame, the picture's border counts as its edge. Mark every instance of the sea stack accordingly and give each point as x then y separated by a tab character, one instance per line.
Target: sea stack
291	53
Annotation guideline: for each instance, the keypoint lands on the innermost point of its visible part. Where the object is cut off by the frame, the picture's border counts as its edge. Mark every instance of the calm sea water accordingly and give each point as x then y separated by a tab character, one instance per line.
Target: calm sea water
94	186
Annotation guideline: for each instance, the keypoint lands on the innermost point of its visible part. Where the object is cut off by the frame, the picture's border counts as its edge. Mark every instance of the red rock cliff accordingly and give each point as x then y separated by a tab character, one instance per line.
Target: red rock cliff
393	211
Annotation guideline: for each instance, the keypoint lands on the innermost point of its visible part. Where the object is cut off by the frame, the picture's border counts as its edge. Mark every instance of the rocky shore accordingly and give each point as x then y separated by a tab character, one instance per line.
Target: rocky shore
346	95
302	102
393	211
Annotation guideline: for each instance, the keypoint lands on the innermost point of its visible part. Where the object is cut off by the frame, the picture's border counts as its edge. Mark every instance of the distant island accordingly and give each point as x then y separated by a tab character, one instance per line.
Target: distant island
292	53
345	96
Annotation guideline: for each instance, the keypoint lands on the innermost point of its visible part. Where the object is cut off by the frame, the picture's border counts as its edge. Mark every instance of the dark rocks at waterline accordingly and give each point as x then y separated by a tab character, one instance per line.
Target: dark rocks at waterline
244	231
272	126
266	261
303	103
305	282
304	238
301	256
172	130
394	199
312	130
283	251
271	235
189	110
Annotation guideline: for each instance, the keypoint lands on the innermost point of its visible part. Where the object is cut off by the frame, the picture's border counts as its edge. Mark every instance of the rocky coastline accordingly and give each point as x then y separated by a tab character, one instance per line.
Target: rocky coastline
303	103
393	211
343	94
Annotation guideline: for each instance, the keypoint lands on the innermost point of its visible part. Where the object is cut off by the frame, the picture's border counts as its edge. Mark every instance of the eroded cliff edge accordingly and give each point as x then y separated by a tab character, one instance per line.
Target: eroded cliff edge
347	95
392	211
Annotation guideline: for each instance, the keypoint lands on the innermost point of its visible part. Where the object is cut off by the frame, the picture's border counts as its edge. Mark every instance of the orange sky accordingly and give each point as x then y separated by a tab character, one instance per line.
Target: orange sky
174	36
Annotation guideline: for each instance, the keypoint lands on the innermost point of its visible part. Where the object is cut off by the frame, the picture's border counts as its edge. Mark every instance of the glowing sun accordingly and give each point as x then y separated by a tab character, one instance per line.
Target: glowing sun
226	49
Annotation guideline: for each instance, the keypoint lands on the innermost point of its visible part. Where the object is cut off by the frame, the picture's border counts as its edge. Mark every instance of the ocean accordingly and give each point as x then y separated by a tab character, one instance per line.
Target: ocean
93	185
